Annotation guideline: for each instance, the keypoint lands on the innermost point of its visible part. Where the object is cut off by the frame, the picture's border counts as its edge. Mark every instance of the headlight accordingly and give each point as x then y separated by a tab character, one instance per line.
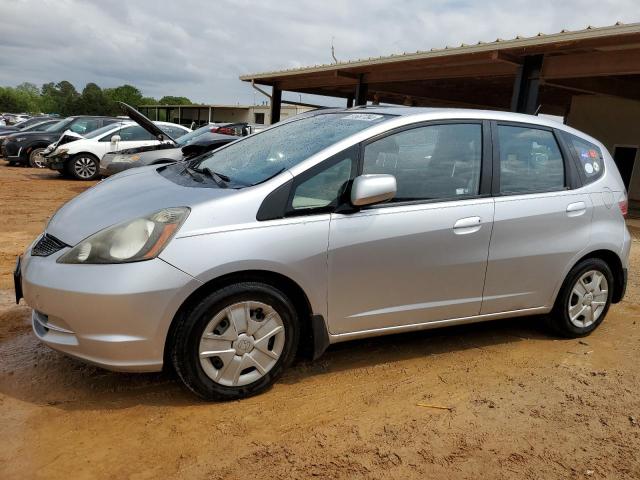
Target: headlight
132	241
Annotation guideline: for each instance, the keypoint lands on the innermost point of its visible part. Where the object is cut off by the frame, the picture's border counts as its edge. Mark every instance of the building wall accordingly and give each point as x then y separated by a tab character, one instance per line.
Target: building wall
613	121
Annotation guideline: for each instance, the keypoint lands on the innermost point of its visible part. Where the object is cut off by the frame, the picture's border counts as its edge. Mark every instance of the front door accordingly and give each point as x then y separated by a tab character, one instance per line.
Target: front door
421	257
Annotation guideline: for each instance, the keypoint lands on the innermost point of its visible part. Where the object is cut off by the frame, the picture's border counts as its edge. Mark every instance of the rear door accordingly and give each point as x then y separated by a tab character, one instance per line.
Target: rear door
421	257
542	221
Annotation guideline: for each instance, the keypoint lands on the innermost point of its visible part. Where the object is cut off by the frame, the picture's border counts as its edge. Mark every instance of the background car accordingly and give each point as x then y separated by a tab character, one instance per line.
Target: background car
185	147
26	124
27	147
36	127
80	159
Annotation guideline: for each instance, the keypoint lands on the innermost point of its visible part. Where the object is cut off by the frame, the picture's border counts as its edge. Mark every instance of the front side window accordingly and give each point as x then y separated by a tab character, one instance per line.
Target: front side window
430	162
255	158
84	125
324	188
173	131
530	160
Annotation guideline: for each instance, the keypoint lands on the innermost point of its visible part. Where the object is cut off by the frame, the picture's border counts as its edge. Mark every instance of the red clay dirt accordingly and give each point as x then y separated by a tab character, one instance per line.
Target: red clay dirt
523	404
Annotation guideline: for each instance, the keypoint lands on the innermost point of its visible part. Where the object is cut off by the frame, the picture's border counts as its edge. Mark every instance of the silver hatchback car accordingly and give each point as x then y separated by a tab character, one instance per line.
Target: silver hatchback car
338	225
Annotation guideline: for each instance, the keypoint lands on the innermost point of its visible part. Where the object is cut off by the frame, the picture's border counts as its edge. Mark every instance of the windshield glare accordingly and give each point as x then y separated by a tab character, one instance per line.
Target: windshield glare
58	126
102	130
258	157
189	137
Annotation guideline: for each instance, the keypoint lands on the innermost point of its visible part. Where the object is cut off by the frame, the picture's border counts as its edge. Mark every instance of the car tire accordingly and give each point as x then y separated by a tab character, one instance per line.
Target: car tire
83	166
583	300
36	160
251	325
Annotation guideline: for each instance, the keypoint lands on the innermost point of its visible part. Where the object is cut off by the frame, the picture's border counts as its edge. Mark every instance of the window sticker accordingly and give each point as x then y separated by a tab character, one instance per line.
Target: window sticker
596	166
588	168
365	117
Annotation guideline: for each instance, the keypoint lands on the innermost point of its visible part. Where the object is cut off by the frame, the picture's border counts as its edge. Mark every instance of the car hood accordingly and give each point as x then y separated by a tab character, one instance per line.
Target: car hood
129	195
145	123
34	136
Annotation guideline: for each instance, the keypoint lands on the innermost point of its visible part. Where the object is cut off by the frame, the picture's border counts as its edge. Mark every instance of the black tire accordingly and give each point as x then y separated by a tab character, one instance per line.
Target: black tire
83	166
191	326
34	160
12	164
559	319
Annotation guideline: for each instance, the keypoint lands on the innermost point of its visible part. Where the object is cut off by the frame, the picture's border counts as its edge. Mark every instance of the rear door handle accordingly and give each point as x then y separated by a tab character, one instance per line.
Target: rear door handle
467	225
576	209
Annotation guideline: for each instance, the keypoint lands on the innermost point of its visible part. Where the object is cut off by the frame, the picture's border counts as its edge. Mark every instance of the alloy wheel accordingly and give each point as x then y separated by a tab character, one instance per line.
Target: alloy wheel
85	167
242	343
37	158
588	298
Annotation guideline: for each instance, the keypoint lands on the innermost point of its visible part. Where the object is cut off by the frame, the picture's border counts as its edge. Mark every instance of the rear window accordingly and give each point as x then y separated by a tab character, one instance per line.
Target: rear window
589	157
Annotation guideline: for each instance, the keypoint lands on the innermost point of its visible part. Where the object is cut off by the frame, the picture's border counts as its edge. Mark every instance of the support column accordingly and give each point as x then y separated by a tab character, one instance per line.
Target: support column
349	102
361	92
276	104
526	85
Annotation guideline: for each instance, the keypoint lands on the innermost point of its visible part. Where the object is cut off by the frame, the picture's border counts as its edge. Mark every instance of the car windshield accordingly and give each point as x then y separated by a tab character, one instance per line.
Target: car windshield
258	157
102	130
189	137
59	126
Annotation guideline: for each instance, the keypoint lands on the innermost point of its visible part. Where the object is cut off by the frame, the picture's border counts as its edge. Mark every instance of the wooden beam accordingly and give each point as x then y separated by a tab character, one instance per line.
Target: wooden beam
593	64
500	56
615	87
342	73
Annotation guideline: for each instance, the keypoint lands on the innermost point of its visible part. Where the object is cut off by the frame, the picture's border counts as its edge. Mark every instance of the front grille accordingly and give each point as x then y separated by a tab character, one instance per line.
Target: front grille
46	246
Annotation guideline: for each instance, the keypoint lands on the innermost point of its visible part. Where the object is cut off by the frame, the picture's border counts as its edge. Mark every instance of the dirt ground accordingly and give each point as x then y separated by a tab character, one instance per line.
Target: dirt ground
522	404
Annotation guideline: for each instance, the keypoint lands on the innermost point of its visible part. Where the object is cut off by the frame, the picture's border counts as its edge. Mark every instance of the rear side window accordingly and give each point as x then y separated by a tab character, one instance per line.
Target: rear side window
589	158
530	160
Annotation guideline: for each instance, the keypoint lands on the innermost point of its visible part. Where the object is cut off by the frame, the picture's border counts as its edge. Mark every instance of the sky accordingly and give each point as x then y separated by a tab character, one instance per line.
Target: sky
199	48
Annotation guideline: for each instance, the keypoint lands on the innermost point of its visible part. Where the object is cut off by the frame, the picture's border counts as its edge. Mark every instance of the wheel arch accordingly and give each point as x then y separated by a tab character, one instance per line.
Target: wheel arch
615	264
313	339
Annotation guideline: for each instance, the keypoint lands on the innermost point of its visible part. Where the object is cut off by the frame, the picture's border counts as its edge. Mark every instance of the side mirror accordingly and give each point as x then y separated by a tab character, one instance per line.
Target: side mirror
115	139
370	189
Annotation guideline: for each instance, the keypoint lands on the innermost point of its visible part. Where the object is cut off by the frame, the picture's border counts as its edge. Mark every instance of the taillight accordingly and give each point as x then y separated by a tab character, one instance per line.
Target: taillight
624	206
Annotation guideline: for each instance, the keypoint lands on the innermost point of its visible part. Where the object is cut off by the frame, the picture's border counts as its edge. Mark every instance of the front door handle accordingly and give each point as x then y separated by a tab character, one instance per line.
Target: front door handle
576	209
467	225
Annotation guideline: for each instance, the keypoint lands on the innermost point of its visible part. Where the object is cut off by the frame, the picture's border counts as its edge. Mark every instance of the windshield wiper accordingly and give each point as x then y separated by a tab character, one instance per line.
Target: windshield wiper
188	170
219	178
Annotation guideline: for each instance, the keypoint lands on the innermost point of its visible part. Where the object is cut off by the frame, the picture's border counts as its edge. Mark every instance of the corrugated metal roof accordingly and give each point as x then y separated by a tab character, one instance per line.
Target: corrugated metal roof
499	44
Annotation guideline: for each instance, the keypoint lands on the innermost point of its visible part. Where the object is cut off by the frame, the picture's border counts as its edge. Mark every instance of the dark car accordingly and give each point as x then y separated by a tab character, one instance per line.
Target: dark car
22	126
35	127
27	147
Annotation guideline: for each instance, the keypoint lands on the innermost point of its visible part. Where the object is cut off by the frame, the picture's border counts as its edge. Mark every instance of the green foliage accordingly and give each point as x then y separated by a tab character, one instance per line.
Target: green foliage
169	100
64	99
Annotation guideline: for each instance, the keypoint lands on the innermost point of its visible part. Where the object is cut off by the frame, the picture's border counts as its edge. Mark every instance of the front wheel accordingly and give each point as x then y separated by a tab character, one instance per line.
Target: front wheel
236	342
584	299
36	159
84	166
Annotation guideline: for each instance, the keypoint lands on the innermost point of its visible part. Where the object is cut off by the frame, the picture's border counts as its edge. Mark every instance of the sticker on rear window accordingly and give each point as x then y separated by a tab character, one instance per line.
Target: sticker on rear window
365	117
588	168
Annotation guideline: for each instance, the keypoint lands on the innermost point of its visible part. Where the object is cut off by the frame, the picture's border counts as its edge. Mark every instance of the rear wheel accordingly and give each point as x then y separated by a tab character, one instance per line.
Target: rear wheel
83	166
236	342
36	159
584	299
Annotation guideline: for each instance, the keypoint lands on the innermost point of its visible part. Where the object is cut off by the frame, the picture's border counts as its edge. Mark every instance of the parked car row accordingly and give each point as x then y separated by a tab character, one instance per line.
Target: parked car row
86	147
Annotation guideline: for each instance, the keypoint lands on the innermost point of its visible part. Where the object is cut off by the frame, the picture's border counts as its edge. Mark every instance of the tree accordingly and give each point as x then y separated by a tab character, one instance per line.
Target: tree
93	101
124	93
169	100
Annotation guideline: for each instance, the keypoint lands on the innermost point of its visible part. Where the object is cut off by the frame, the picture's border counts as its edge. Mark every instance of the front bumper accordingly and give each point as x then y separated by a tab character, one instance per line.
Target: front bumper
56	163
116	167
113	316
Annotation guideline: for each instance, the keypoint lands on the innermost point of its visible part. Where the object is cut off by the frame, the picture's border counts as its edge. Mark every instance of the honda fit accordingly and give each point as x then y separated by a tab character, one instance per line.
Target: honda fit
332	226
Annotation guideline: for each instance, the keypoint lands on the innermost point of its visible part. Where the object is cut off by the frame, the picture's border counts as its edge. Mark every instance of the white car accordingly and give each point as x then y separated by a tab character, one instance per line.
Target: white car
80	158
